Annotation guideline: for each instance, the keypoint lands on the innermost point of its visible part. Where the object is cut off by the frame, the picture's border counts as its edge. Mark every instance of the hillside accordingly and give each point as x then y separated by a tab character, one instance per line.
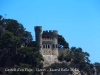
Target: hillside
18	50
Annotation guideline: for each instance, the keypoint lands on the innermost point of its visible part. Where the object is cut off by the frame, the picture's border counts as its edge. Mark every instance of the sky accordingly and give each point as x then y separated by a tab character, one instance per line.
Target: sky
78	21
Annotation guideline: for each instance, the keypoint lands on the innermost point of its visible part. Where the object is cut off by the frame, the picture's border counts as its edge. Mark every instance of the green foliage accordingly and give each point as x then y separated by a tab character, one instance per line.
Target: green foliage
78	59
18	30
30	56
68	57
8	40
62	41
12	54
79	55
61	57
22	69
97	66
15	27
61	67
27	58
1	20
3	58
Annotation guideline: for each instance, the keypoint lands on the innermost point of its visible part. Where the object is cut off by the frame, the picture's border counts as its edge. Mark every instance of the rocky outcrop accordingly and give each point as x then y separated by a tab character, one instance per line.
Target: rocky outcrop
49	59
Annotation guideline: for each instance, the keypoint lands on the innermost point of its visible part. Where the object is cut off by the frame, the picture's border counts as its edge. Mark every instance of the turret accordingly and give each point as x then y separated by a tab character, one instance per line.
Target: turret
55	42
38	36
55	37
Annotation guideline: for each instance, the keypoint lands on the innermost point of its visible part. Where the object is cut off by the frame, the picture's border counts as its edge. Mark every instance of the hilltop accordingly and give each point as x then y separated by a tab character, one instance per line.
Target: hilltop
18	50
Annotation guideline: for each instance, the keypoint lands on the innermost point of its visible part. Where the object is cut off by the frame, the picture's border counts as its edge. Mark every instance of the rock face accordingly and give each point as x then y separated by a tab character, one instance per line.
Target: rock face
75	71
49	59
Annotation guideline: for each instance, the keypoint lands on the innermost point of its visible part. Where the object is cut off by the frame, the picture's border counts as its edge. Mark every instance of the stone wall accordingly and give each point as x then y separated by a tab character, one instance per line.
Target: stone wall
63	51
49	59
47	44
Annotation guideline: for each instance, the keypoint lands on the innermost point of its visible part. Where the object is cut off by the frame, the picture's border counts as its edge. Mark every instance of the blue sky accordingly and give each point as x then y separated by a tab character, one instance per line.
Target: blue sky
78	21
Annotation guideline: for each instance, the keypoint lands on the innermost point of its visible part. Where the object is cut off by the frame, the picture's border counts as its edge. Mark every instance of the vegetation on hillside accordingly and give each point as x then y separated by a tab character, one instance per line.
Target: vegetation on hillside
17	50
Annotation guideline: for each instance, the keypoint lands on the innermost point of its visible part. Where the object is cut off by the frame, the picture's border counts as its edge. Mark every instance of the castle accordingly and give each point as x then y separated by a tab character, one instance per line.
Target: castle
47	44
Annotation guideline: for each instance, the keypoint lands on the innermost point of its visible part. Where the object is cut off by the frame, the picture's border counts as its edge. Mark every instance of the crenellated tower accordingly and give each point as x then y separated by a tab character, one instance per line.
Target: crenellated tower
55	42
47	44
50	42
38	37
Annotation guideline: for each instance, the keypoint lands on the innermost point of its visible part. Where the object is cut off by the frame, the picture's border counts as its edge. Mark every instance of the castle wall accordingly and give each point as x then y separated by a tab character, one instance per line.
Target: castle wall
47	44
49	59
47	52
63	51
47	47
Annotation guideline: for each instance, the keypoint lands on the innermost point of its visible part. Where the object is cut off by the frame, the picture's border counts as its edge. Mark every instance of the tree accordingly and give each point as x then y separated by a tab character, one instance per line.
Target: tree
86	57
14	26
11	52
18	30
61	68
97	66
13	35
62	41
2	21
2	29
8	40
22	69
27	57
79	55
27	38
61	57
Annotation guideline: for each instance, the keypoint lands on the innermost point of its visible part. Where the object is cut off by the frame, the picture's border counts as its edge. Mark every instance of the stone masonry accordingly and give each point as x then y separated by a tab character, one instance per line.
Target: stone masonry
47	44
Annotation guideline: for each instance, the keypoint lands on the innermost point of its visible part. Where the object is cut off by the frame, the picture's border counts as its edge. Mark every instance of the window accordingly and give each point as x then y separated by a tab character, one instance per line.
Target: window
48	46
43	46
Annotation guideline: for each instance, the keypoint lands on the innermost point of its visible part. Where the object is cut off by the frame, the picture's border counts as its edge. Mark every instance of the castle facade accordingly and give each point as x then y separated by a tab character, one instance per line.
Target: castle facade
47	44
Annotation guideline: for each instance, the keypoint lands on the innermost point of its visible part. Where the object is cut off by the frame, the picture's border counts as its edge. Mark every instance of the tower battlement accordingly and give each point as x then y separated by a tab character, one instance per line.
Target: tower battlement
50	32
38	28
46	39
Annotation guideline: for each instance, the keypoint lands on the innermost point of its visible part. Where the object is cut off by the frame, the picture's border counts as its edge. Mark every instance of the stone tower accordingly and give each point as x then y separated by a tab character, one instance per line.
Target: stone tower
38	36
47	44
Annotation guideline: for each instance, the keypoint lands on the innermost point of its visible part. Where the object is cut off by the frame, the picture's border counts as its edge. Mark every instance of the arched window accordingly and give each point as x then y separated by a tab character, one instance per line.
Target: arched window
43	46
56	45
48	46
53	46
